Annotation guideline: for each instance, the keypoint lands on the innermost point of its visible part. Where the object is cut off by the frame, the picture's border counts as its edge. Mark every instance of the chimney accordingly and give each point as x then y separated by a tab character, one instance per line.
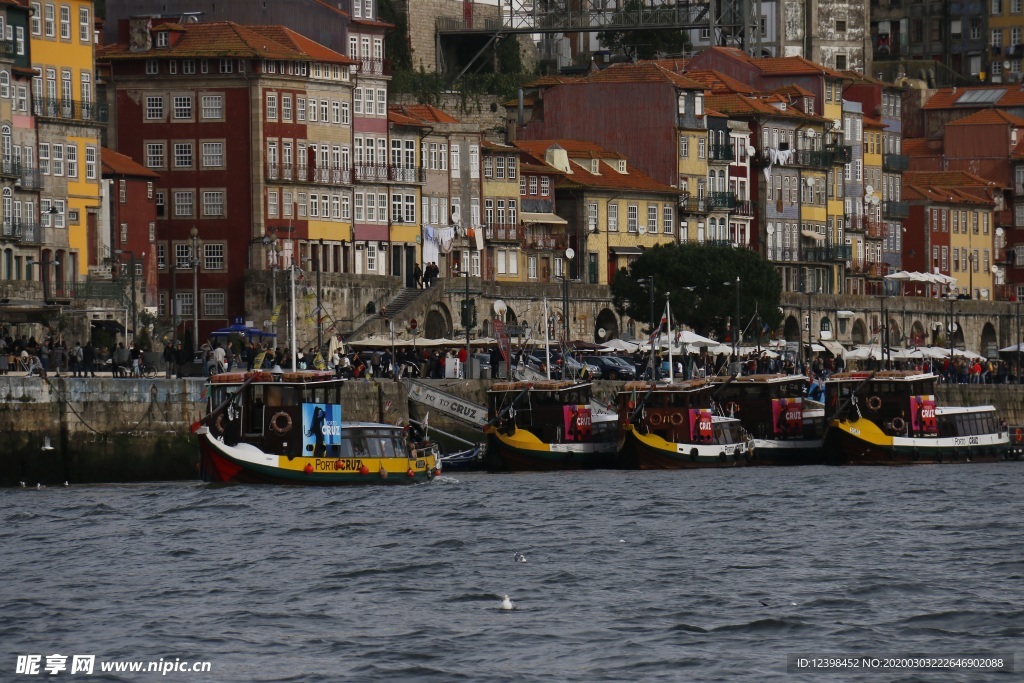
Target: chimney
140	36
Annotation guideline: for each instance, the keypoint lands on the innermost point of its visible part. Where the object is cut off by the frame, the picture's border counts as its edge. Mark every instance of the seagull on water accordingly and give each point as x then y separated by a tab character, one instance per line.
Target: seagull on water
507	604
520	557
46	444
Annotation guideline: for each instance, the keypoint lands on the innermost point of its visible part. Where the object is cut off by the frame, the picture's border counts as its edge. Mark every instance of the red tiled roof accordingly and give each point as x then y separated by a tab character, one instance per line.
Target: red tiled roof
169	26
228	39
642	72
794	90
1018	152
717	82
942	194
115	163
988	117
921	147
372	23
946	179
742	105
872	122
953	98
609	177
397	117
331	7
782	66
674	64
426	113
552	80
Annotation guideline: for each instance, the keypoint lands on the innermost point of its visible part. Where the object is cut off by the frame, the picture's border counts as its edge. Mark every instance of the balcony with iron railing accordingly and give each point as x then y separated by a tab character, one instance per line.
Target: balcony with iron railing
31	179
782	254
745	208
895	209
870	227
405	174
871	270
723	152
545	242
841	154
7	48
813	158
70	110
721	200
895	163
369	66
21	231
502	233
691	204
828	254
10	168
287	173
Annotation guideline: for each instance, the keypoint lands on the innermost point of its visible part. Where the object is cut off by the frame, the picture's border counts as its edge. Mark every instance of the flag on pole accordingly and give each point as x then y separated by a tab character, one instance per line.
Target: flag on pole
275	314
313	314
258	363
318	361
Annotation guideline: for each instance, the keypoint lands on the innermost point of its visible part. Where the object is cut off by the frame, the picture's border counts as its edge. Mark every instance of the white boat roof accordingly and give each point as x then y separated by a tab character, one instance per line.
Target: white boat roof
953	410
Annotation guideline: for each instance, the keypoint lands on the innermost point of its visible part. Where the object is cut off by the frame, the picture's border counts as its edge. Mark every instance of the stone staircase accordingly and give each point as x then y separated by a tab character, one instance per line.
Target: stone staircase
409	302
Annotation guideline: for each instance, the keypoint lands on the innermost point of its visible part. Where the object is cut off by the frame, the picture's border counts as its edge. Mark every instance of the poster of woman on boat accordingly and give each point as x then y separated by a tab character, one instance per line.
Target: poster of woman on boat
321	427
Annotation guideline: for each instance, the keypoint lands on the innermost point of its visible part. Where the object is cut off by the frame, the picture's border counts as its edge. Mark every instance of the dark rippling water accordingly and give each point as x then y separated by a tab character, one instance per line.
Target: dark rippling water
630	576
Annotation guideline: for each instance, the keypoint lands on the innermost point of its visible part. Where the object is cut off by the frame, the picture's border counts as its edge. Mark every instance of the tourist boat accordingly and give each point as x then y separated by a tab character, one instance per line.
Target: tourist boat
891	418
466	460
673	426
546	425
786	428
288	429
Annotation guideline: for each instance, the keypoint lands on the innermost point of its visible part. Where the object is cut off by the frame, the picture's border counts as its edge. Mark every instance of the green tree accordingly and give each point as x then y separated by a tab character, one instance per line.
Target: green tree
508	56
645	43
396	41
700	280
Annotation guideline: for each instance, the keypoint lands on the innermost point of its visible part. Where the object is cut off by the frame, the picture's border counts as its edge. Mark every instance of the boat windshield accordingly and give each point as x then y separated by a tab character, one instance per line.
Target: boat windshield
361	443
728	432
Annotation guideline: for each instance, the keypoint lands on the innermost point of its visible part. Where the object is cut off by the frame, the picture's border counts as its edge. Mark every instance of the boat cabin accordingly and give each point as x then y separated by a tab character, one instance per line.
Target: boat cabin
902	403
679	412
769	406
553	411
968	421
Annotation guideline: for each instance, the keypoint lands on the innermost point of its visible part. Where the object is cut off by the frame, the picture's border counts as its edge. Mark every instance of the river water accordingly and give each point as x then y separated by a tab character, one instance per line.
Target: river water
714	575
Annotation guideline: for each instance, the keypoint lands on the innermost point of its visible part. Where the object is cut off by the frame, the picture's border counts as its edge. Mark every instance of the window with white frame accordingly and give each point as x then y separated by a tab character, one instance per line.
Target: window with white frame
154	107
65	22
474	161
531	267
545	186
90	163
155	154
533	184
632	219
214	305
667	219
184	301
613	217
72	159
182	107
57	158
455	160
213	107
184	202
213	203
183	155
371	256
36	19
652	218
213	256
213	154
271	106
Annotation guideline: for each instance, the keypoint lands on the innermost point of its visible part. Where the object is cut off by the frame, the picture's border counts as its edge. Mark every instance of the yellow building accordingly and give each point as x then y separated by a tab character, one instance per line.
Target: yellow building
503	238
407	176
1005	29
68	123
693	152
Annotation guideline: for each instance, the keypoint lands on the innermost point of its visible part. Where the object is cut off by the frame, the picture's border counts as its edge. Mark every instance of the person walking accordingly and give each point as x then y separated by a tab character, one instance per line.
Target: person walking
76	359
88	360
417	274
168	357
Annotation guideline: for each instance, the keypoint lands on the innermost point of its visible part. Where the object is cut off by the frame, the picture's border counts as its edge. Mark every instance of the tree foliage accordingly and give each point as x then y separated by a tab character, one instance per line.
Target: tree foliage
711	272
396	41
647	43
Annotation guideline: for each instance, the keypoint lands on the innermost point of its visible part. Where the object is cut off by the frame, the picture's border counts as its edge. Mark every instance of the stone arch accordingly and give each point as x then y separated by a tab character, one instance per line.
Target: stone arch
958	337
917	334
792	331
859	333
438	323
606	319
895	333
989	342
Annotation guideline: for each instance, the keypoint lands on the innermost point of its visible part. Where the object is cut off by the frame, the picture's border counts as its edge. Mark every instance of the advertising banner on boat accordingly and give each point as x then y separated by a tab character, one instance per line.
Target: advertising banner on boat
922	415
700	425
787	416
321	427
577	423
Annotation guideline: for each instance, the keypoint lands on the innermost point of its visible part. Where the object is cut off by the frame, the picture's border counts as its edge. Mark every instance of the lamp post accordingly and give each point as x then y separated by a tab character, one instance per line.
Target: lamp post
194	232
319	312
135	308
466	321
649	282
174	301
951	297
736	321
810	328
1017	371
569	254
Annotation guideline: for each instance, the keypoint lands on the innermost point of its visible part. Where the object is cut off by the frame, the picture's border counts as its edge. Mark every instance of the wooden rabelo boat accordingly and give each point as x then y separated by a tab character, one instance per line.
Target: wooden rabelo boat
785	426
291	431
672	426
892	418
546	425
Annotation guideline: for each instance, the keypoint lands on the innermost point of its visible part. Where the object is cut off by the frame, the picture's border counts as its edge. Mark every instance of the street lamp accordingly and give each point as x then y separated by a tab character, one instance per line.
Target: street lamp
194	232
736	321
951	297
135	308
569	254
648	282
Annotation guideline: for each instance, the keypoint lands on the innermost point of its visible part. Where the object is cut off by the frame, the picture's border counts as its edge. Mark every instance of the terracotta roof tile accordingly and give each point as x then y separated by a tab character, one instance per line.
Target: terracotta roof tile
372	23
117	164
1018	151
228	39
920	147
608	178
872	122
642	72
397	117
674	64
742	105
426	113
988	117
551	80
794	90
781	66
959	98
946	179
717	82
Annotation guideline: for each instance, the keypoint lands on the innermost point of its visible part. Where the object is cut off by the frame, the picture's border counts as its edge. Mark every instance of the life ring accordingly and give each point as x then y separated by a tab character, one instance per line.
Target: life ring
218	425
1018	436
677	419
874	403
656	419
279	426
732	407
899	424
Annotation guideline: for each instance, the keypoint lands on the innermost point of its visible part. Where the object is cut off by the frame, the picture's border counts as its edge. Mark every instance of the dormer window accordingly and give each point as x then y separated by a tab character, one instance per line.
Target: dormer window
681	104
1013	137
808	105
698	104
162	39
622	165
595	166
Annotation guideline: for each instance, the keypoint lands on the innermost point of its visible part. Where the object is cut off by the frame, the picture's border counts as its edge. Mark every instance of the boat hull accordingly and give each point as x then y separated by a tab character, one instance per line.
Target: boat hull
651	452
787	453
522	451
471	460
860	442
246	464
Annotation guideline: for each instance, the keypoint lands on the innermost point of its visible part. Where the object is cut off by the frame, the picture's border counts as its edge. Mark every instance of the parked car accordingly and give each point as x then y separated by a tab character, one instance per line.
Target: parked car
611	368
